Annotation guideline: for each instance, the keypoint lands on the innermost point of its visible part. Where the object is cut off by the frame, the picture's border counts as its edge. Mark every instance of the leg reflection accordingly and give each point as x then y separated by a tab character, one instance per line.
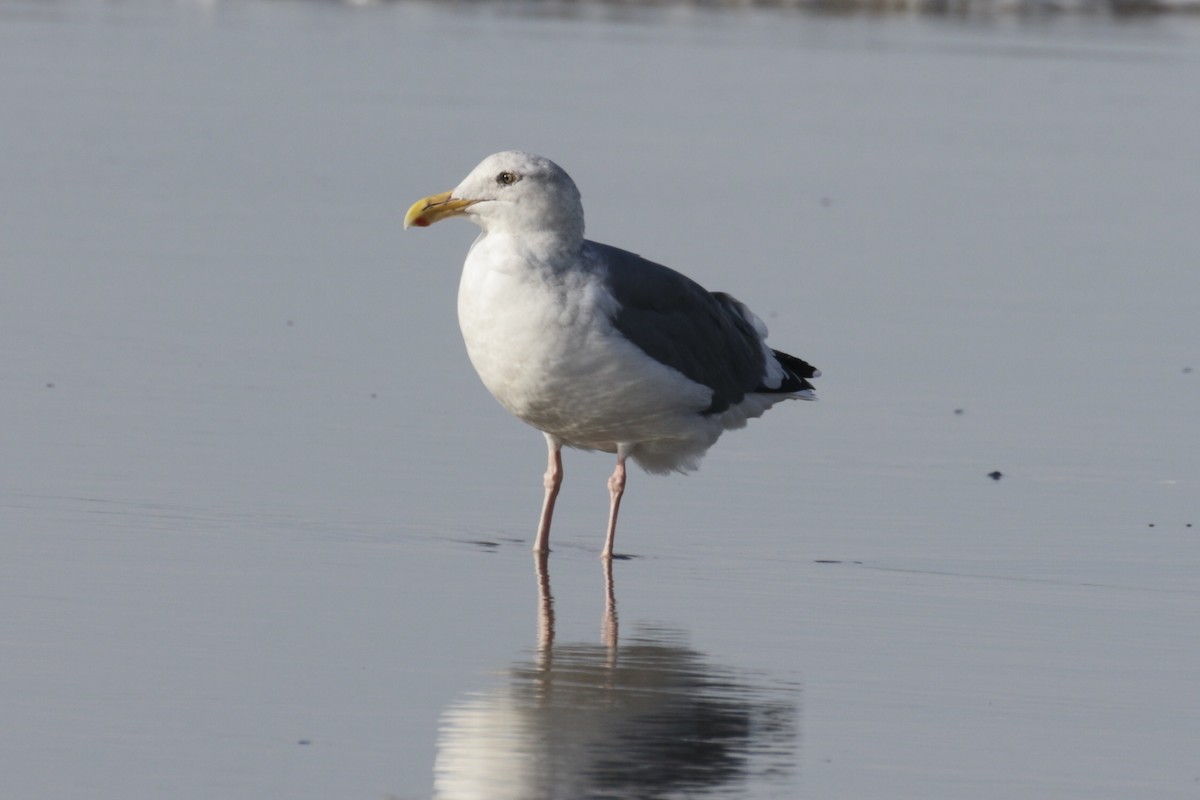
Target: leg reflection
545	605
649	718
608	628
545	616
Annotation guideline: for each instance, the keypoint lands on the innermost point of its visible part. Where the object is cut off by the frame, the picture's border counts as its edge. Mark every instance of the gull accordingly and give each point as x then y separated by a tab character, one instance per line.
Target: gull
594	346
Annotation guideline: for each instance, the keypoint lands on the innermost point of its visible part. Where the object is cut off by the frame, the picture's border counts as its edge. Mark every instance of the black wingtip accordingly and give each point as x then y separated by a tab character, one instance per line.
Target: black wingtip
796	371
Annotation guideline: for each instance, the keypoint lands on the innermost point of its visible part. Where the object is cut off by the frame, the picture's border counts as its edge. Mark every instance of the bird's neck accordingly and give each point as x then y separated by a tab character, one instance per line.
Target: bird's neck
543	249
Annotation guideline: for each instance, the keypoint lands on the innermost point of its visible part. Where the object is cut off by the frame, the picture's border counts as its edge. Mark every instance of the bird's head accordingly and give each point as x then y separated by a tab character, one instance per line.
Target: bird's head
511	192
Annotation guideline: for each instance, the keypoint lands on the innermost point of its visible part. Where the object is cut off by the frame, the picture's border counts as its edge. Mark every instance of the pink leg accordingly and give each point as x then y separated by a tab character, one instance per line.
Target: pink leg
616	488
552	481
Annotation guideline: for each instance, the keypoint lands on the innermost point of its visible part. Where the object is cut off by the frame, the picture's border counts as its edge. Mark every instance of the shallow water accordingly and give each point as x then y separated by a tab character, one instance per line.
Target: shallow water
264	534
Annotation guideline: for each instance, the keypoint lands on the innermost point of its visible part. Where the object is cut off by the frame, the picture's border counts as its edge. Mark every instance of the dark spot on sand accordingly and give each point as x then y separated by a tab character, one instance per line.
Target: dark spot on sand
997	475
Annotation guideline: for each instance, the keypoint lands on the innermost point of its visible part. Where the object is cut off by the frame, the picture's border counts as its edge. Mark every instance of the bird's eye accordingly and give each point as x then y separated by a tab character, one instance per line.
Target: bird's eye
506	178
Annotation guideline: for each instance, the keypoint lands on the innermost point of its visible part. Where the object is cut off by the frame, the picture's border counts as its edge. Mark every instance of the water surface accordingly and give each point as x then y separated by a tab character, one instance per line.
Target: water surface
265	535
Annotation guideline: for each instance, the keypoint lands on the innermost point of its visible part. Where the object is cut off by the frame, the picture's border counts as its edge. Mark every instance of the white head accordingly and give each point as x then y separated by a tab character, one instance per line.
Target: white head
511	192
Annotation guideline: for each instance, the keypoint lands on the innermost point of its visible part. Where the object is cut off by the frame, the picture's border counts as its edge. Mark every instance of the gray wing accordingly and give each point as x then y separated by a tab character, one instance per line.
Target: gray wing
677	322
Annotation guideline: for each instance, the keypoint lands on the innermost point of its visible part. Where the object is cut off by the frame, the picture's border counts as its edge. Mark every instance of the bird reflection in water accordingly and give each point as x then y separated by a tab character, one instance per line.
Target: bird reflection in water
647	719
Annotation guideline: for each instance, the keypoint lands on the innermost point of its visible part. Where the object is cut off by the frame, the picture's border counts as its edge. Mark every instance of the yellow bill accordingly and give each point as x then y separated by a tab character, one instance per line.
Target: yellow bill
429	210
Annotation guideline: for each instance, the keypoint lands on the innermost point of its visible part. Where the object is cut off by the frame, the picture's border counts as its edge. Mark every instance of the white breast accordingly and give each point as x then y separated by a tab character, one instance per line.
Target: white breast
545	348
